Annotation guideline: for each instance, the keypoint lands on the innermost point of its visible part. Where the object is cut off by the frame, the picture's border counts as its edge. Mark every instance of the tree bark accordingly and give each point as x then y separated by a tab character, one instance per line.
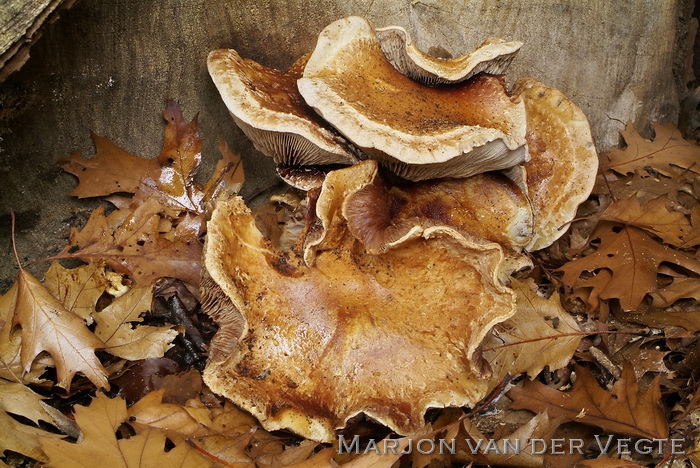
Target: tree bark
109	65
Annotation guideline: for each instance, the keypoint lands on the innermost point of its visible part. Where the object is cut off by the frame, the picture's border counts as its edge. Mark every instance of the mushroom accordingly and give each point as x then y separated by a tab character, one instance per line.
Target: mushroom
561	172
484	208
493	56
266	105
418	131
390	335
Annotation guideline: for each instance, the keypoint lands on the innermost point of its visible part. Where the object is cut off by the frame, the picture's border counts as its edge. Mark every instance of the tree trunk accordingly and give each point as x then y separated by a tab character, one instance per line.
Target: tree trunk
109	65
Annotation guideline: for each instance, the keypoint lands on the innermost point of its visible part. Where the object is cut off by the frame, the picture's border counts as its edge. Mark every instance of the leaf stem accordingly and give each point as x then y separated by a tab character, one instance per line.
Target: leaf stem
12	235
561	335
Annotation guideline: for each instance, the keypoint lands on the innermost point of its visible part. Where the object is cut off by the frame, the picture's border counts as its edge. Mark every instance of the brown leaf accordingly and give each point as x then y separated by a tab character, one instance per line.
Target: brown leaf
633	258
117	327
21	438
179	160
654	217
680	288
186	421
538	335
664	319
167	178
644	358
228	176
623	410
111	170
78	288
19	399
48	326
499	452
668	153
99	423
135	247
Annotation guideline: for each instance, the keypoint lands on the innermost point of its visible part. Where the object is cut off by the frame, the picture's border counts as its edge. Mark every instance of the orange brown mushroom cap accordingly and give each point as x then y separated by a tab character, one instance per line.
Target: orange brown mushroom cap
266	105
418	131
561	172
485	208
493	56
387	335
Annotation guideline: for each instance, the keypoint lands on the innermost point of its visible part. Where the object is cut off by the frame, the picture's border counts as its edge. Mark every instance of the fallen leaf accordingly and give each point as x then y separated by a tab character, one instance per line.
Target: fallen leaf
99	423
21	438
117	326
290	456
643	359
680	288
516	449
111	170
228	176
623	410
135	247
633	258
151	413
588	289
664	319
538	335
654	217
78	289
19	399
667	153
179	160
48	326
168	177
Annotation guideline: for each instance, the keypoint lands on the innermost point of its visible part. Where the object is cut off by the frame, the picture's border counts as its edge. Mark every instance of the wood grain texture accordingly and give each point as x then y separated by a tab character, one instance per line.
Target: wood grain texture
109	65
20	23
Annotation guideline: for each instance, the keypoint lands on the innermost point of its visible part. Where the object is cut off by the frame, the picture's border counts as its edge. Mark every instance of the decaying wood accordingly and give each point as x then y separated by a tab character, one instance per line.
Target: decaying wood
20	23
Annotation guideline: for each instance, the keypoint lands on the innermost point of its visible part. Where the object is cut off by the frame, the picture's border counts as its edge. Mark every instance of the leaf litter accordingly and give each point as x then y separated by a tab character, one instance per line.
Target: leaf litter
118	343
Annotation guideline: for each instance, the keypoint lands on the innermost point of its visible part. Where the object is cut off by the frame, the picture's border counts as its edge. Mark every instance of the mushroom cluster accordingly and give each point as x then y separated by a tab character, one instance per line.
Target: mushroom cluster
428	182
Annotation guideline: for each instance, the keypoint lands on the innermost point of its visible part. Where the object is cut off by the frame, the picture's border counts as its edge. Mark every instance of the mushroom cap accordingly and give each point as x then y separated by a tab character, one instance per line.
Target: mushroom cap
493	56
485	208
563	161
387	335
418	131
266	105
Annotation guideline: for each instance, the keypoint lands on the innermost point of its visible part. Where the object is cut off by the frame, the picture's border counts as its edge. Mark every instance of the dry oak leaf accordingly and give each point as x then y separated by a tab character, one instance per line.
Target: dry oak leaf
500	452
664	319
633	258
668	153
222	432
541	333
22	438
168	177
228	176
99	423
78	289
680	288
623	410
117	326
48	326
184	420
653	216
130	243
19	399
